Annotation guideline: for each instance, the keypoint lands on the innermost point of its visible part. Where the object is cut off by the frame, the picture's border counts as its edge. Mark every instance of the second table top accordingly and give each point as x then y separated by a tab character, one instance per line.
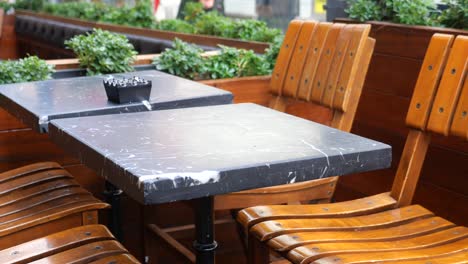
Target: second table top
36	103
171	155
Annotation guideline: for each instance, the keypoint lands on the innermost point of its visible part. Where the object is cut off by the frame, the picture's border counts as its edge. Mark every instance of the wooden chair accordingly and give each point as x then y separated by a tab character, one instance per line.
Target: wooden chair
320	69
321	66
84	244
383	228
40	199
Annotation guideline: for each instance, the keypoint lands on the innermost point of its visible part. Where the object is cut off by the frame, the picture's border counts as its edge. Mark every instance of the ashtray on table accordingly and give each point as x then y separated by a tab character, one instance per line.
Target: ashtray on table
127	90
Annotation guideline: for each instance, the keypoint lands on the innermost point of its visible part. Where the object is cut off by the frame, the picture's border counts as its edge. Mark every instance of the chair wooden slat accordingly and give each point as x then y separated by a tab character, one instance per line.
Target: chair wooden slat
46	206
309	253
312	61
428	81
28	169
118	259
460	119
400	255
34	202
284	56
449	90
349	71
409	230
459	257
335	70
86	253
253	215
325	62
36	189
50	245
298	58
268	229
409	168
344	120
21	182
17	223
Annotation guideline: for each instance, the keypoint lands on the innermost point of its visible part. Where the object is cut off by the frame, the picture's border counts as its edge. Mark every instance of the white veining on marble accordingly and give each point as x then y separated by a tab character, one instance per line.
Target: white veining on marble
313	147
147	105
193	178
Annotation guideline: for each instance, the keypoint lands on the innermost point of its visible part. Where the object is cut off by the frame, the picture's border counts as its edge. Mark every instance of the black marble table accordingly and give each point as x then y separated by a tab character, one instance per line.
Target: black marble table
171	155
36	103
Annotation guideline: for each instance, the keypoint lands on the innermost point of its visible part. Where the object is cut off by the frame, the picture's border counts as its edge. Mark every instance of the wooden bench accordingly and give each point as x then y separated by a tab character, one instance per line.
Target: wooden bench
384	228
40	199
85	244
320	69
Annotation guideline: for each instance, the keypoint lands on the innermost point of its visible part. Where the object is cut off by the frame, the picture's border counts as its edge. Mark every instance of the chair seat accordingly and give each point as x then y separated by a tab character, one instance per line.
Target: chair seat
84	244
324	234
39	199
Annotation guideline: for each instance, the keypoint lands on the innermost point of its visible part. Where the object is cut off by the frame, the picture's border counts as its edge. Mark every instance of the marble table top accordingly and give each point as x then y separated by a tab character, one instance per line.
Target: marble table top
36	103
171	155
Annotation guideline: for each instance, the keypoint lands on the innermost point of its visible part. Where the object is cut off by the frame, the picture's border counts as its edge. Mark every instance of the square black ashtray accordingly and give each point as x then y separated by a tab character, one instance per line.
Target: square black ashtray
127	90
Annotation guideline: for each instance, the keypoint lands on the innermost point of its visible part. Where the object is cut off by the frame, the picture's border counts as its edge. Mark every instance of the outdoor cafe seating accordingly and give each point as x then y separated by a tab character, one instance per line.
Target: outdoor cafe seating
171	168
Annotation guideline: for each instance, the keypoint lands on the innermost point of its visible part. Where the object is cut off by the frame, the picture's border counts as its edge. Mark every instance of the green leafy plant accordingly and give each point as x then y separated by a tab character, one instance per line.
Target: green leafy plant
35	5
412	12
192	11
456	14
212	23
103	52
271	53
250	29
25	70
141	15
183	60
82	10
186	60
364	10
232	62
5	6
175	25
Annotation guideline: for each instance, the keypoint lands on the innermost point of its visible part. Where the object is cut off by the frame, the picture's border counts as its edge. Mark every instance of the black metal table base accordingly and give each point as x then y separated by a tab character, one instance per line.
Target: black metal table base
112	194
205	245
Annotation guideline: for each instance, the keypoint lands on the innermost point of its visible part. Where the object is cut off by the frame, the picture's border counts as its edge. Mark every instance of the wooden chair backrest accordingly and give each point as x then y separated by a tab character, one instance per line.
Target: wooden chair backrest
323	63
439	105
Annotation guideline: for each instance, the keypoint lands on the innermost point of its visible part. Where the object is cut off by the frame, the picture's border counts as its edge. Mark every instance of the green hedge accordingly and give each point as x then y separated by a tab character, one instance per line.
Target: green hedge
185	60
196	20
411	12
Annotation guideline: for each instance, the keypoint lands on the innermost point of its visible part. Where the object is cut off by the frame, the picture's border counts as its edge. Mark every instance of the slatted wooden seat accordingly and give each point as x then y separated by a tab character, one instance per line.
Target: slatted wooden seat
84	244
320	69
40	199
383	228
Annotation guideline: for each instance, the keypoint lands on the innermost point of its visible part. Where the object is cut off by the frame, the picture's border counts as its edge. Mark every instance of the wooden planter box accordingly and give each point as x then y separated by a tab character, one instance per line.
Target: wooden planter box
8	48
152	33
389	85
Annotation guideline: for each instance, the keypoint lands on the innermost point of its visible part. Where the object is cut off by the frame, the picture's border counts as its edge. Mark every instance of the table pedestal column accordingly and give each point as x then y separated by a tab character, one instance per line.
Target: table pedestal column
205	245
112	194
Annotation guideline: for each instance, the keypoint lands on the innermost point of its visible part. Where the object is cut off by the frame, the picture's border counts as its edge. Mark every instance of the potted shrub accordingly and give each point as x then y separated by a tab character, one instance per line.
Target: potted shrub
25	70
102	52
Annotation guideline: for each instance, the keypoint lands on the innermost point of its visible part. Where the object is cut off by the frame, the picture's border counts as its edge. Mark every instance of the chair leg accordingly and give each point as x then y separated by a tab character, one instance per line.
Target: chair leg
258	252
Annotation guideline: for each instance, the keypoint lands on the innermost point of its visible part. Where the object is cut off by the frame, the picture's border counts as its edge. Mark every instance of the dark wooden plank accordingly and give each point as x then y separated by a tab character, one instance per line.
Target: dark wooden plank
392	75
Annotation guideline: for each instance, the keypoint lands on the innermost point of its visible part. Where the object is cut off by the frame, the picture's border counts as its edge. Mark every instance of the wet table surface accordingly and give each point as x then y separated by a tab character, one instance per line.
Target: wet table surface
171	155
36	103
